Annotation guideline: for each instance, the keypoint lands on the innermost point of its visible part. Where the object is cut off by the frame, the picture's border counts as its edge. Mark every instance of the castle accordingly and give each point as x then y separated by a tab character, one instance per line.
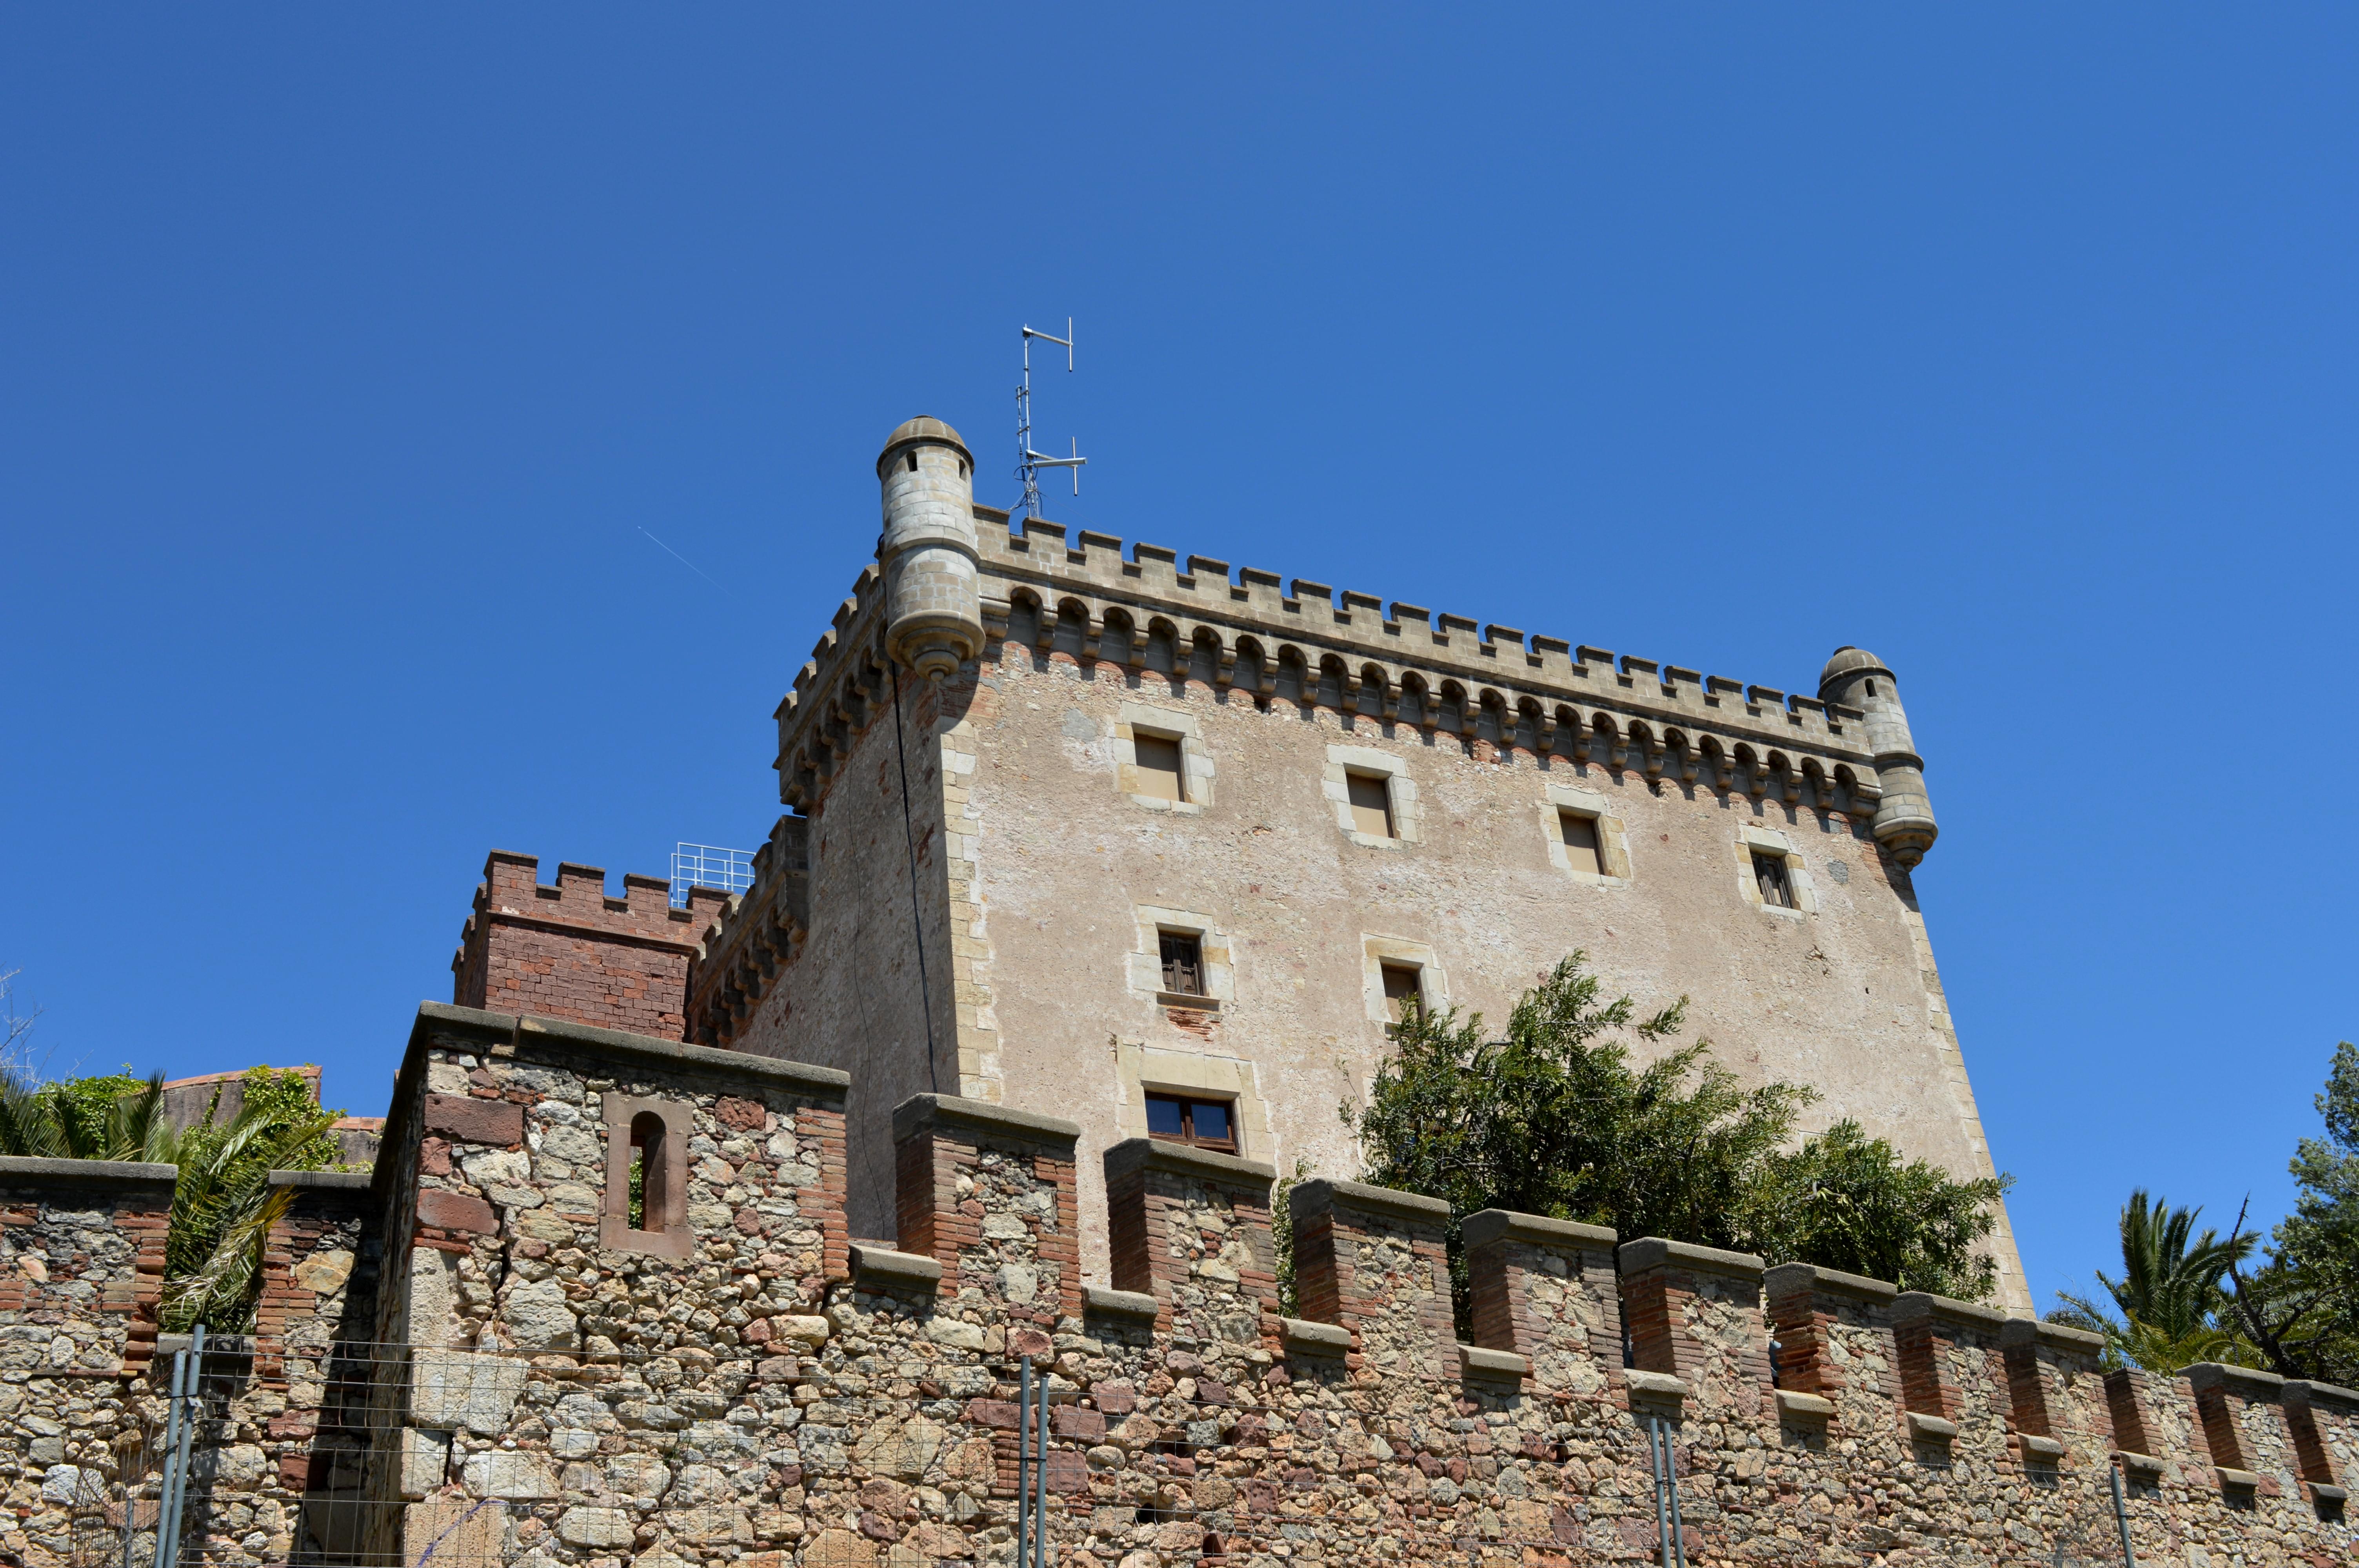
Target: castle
1162	848
915	1209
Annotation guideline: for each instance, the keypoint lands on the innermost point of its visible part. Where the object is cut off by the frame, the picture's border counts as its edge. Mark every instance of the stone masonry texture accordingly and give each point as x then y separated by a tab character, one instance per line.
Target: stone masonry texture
453	1365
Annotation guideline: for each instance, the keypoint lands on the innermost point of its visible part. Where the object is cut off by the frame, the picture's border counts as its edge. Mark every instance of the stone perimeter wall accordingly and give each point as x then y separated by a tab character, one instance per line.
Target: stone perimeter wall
746	1387
82	1271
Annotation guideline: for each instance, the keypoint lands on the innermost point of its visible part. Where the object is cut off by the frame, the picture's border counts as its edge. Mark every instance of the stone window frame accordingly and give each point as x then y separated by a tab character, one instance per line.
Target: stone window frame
1196	770
1376	952
1143	967
1751	840
1171	1070
1613	836
670	1237
1399	788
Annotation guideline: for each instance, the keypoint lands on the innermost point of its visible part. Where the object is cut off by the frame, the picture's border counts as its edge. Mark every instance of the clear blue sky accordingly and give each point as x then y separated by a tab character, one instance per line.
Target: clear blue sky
345	355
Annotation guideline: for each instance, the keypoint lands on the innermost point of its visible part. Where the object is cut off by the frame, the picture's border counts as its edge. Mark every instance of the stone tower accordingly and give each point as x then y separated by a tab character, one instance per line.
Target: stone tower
934	611
1904	817
1163	847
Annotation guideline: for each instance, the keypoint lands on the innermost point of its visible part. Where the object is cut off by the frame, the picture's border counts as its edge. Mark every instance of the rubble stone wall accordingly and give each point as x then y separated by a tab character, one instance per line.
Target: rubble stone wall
81	1271
744	1386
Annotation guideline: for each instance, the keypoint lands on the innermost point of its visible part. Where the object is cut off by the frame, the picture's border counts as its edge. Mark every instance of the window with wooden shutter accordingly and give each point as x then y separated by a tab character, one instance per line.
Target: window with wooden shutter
1769	875
1183	963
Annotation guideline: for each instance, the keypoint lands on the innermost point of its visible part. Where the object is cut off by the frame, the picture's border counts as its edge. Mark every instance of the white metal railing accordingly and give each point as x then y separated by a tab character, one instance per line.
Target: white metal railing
709	866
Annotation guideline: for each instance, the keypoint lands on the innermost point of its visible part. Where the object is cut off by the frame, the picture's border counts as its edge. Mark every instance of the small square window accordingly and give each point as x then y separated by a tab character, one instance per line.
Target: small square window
1769	876
1183	963
1180	1119
1579	830
1404	983
1160	774
1371	803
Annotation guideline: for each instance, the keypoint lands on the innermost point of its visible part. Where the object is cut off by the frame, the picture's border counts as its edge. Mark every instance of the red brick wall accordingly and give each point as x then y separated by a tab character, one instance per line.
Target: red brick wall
955	1159
571	952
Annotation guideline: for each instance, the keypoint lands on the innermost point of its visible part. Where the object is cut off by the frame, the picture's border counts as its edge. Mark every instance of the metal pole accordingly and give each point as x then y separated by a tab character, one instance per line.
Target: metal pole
2122	1517
1672	1484
1024	1463
171	1451
1663	1509
1040	1483
192	1398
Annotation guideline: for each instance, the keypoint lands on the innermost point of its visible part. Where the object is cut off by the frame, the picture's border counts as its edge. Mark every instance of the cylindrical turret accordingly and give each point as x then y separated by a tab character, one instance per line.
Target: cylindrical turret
1904	816
933	606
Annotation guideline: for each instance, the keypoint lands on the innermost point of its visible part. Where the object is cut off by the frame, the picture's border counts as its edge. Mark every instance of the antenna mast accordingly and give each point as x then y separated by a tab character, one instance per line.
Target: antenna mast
1029	463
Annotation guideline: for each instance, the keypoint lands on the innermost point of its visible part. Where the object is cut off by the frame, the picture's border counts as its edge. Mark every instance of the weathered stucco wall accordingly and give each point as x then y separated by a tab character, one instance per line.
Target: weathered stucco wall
1046	868
1072	871
853	998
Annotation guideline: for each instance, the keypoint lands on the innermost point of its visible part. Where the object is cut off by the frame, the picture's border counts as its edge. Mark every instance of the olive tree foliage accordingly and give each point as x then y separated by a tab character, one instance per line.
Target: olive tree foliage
1844	1200
1582	1109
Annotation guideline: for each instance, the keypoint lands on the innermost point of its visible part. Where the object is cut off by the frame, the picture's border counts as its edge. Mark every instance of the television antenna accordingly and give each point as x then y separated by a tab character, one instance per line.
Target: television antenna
1029	463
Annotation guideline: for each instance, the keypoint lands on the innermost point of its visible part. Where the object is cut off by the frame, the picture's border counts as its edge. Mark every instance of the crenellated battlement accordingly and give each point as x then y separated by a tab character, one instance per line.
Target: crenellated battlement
836	693
1036	566
571	951
728	1378
756	935
1349	652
